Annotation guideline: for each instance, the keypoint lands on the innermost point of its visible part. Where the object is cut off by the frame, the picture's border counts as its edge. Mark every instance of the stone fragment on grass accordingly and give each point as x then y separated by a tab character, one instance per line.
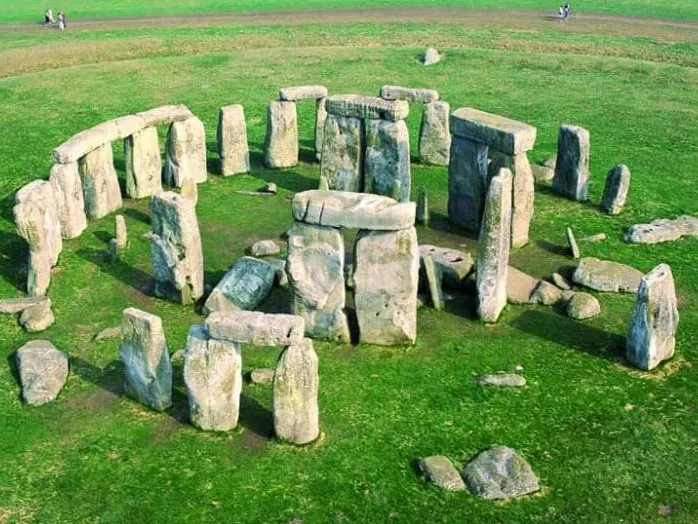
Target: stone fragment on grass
143	163
598	237
112	332
499	473
232	141
435	134
69	199
37	318
662	230
281	142
453	264
186	152
245	285
572	243
264	248
439	471
262	376
582	306
42	371
572	165
603	275
502	380
256	328
430	56
546	294
616	189
17	305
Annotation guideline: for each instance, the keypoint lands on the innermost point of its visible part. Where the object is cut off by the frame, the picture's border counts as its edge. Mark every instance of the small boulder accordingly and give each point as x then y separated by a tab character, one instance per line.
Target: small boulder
561	282
546	294
42	370
582	306
37	318
499	473
112	332
262	376
264	248
507	380
430	56
439	470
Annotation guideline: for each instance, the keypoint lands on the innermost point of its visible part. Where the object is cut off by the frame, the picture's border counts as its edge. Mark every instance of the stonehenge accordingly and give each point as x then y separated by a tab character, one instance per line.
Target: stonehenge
572	167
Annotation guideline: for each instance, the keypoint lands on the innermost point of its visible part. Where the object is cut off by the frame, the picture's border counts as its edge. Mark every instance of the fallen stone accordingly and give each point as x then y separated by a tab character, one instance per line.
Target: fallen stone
292	94
143	163
572	166
387	160
561	282
430	56
599	237
520	286
420	96
246	284
502	380
497	132
367	107
281	142
546	294
467	182
165	115
440	472
70	203
112	332
100	184
662	230
232	141
572	243
262	377
264	248
454	265
433	278
603	275
341	162
499	473
616	190
17	305
256	328
186	152
435	134
42	371
542	173
121	234
35	319
422	213
582	306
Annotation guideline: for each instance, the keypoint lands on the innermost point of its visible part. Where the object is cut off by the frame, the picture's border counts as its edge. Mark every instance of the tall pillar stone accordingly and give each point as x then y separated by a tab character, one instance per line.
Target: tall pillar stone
572	167
232	141
387	160
342	159
281	142
435	134
70	202
523	190
100	184
185	152
143	163
320	118
615	191
467	182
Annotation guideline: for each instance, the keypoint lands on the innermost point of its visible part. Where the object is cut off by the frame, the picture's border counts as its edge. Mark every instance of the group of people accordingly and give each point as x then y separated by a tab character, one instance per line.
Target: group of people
50	20
564	12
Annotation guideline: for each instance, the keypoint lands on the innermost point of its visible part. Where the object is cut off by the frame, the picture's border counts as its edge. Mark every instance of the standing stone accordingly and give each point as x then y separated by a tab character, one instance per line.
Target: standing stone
213	377
232	141
493	248
186	152
320	118
147	367
435	134
70	203
281	143
295	393
523	188
244	286
616	190
467	182
386	279
572	243
42	371
572	166
315	268
99	182
143	163
121	233
387	160
433	278
175	248
342	158
652	330
422	216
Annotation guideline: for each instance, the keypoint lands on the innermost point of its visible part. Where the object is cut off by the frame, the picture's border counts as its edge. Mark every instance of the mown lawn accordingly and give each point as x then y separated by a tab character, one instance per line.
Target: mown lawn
609	444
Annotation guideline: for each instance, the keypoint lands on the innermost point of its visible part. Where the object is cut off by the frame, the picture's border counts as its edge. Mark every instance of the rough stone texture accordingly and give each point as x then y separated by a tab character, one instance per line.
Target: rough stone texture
493	248
112	332
542	173
572	244
190	190
430	57
546	294
352	210
422	214
121	234
615	191
520	286
243	287
143	163
439	470
292	94
17	305
37	318
264	248
70	203
281	142
387	160
315	268
256	328
279	265
262	376
386	279
233	150
419	96
499	473
582	306
502	134
213	377
603	275
598	237
652	329
175	249
100	184
295	392
522	196
572	166
146	359
367	107
454	265
467	182
561	282
42	371
186	152
341	162
662	230
320	119
435	134
433	278
502	380
165	115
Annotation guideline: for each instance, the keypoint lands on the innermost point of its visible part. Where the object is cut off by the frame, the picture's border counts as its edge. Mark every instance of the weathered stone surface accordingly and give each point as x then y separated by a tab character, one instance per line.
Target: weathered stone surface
292	94
439	470
499	473
546	294
143	163
572	166
542	173
662	230
572	244
100	185
243	287
520	286
264	248
147	367
213	377
652	329
121	234
467	182
615	191
165	115
42	371
70	203
320	119
352	210
422	214
386	279
502	134
17	305
281	142
315	268
603	275
256	328
190	190
454	265
430	56
185	152
502	380
582	306
341	162
493	248
433	278
295	392
435	134
176	254
233	150
112	332
387	160
410	94
561	281
279	265
262	376
367	107
522	196
37	318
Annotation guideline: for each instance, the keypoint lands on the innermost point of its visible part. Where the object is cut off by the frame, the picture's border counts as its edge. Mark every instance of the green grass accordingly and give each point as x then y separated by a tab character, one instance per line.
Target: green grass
609	445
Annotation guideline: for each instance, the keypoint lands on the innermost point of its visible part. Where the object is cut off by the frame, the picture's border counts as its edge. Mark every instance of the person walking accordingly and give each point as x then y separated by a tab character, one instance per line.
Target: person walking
567	10
61	21
48	17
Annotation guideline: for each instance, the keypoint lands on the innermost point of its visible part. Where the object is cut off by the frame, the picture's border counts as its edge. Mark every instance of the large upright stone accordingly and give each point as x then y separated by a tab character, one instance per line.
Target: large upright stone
341	162
176	255
243	287
367	107
42	371
386	280
70	202
281	142
652	330
232	140
615	191
523	188
186	152
320	119
143	163
147	367
435	134
502	134
467	182
493	248
315	268
387	160
295	394
99	182
213	377
572	166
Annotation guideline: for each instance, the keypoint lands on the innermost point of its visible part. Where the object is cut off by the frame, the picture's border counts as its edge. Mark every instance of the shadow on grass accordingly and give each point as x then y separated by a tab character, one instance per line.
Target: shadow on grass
13	260
555	249
129	275
137	215
12	364
289	179
440	222
256	418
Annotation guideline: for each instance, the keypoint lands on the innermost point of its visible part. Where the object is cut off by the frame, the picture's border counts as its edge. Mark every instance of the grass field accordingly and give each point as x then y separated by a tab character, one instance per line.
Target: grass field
609	444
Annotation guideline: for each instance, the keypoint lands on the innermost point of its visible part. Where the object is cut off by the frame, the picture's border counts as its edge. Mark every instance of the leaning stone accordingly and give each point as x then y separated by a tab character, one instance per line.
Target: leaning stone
520	286
264	248
502	134
367	107
523	188
190	190
419	96
186	152
422	215
582	306
599	237
499	473
295	393
70	203
435	134
113	250
561	282
542	173
572	243
546	294
572	167
341	162
454	265
292	94
165	115
143	163
387	160
112	332
603	275
100	184
467	182
320	119
440	472
433	278
232	141
37	318
652	330
17	305
256	328
616	190
245	285
147	367
430	56
262	377
281	142
42	371
121	234
662	230
502	380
